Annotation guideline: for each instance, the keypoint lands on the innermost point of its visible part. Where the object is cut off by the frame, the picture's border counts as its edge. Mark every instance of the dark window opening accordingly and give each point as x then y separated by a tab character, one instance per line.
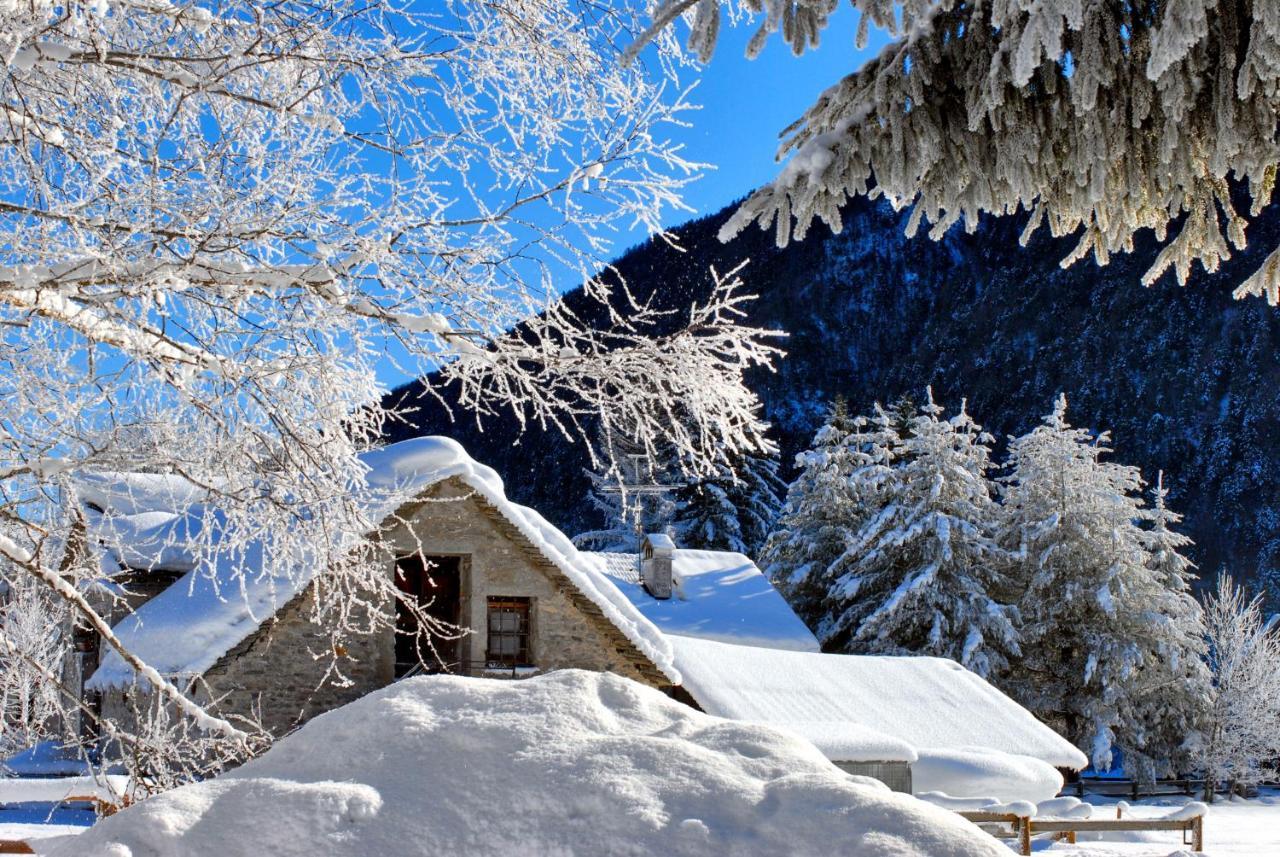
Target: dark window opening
432	585
509	633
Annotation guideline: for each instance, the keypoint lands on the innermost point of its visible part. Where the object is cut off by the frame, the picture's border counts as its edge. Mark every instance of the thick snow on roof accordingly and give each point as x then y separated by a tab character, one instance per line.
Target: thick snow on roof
928	703
187	628
569	763
661	541
136	493
149	540
717	595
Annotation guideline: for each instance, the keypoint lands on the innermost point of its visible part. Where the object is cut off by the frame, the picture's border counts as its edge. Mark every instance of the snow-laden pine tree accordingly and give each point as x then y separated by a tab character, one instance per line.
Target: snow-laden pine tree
1172	696
921	574
230	216
1241	743
821	508
1101	118
732	509
1097	614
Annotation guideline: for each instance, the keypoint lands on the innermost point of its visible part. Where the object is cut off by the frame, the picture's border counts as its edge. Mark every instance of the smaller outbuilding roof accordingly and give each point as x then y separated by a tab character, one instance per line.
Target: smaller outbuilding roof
716	595
849	705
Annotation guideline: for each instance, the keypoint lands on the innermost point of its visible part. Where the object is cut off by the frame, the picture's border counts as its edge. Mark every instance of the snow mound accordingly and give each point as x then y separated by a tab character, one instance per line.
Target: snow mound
981	771
570	763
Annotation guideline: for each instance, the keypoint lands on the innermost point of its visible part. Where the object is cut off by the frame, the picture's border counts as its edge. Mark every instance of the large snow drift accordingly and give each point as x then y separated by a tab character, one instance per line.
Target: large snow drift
982	771
571	763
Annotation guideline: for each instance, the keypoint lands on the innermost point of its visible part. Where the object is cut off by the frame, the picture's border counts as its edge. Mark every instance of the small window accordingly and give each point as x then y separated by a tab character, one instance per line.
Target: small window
509	632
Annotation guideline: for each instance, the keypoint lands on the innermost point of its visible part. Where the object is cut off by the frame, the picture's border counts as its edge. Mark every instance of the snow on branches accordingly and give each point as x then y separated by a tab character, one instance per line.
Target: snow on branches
1100	119
1242	735
1056	581
922	572
219	220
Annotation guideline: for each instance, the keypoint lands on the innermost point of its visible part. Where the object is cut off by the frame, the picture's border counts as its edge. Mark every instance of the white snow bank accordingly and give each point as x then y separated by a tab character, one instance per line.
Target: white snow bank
1020	808
717	595
53	790
1064	807
981	771
570	763
136	493
923	703
1195	809
149	540
187	628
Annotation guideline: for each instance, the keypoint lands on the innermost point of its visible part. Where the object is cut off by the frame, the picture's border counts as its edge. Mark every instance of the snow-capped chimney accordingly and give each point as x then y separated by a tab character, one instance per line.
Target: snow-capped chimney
655	564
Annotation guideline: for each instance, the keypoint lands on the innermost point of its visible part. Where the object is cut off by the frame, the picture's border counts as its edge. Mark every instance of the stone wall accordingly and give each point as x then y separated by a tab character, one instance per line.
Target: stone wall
500	562
288	671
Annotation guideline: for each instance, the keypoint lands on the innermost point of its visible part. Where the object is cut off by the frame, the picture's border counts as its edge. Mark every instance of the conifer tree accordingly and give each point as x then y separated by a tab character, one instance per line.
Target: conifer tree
820	507
918	576
1171	704
1102	119
1095	611
734	509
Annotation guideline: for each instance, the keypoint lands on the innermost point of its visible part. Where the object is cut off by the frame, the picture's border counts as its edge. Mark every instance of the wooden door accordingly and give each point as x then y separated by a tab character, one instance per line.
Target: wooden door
434	583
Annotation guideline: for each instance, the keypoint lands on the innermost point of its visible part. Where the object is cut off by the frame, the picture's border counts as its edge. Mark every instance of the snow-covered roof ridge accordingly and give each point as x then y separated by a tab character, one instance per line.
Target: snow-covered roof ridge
190	626
405	469
716	595
928	703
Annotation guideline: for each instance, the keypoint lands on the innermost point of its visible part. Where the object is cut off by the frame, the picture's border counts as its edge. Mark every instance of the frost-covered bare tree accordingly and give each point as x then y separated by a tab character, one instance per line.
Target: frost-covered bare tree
1242	734
33	642
1100	118
220	217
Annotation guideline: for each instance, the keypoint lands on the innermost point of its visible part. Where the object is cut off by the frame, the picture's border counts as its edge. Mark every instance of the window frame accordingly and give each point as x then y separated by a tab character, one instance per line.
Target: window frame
523	634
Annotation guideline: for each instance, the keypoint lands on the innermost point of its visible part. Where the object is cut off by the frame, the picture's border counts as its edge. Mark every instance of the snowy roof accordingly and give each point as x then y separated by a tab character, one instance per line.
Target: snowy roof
186	629
848	704
716	595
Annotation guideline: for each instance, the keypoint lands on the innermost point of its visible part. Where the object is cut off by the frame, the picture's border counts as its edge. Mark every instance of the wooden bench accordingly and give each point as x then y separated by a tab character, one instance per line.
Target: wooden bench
1022	828
1072	826
1019	826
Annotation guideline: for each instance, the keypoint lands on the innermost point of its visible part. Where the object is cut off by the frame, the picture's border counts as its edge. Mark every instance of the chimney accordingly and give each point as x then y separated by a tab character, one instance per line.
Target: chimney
655	564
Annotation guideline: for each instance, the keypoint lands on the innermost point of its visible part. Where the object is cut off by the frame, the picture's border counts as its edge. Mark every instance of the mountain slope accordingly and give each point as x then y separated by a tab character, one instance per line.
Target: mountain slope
1187	379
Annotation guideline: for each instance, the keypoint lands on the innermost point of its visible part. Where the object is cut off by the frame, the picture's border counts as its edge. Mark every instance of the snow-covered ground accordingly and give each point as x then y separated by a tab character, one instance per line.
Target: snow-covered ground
1232	829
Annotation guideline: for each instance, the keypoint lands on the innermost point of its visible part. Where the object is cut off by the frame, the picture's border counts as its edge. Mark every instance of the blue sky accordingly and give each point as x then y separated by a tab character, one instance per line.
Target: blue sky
745	103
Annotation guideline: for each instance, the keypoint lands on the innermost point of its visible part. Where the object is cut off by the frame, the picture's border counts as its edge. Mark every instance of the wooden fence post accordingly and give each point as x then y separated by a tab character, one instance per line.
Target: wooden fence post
1197	833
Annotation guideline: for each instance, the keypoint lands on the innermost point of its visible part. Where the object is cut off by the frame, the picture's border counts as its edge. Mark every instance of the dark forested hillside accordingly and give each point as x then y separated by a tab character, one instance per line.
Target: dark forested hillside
1187	379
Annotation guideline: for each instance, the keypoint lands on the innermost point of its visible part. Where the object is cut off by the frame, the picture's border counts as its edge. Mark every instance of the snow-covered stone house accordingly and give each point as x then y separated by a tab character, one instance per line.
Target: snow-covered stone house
704	626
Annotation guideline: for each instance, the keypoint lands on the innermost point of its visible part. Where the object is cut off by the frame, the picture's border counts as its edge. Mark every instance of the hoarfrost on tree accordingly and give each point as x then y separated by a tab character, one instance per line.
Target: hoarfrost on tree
1099	629
219	220
1101	119
1242	732
923	573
